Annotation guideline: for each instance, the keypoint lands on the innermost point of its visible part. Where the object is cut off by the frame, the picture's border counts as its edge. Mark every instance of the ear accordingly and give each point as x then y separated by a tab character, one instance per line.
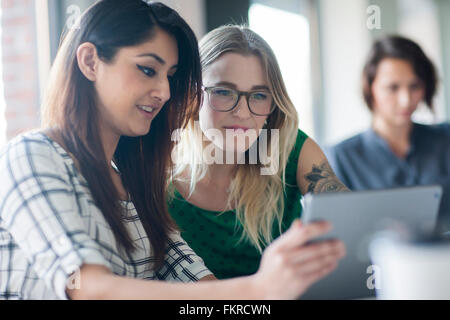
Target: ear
88	60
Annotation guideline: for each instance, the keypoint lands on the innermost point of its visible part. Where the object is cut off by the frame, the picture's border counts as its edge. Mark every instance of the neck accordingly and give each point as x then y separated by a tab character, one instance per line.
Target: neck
109	140
400	134
220	174
397	137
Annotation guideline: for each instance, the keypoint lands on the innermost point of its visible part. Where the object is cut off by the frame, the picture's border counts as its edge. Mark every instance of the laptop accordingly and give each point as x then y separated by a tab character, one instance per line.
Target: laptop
355	217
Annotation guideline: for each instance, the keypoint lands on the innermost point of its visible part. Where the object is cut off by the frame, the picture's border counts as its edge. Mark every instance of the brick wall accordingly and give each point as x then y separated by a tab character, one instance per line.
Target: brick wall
20	69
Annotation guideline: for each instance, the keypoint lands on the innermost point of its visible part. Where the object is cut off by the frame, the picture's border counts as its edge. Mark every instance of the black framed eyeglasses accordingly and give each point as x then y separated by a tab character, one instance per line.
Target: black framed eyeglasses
223	99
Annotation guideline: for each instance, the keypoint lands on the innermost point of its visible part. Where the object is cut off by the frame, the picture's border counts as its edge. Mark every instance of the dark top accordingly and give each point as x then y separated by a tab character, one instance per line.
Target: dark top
365	161
215	236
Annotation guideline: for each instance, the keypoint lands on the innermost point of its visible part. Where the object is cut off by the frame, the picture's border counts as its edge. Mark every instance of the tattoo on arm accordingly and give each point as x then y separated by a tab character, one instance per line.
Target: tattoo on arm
322	179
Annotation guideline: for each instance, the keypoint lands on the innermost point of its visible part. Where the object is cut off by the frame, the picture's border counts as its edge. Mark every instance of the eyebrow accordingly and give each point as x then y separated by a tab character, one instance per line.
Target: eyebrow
157	58
232	85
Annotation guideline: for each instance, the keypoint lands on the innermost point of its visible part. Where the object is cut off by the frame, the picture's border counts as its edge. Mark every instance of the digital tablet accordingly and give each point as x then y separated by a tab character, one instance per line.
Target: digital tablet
355	217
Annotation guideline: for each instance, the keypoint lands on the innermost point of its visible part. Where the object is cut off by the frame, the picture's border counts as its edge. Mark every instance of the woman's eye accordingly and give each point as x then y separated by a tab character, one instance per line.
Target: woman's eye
259	96
149	72
393	88
415	86
223	92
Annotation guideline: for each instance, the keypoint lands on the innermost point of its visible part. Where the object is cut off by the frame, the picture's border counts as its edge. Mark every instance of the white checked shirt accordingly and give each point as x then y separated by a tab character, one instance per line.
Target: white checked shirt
50	227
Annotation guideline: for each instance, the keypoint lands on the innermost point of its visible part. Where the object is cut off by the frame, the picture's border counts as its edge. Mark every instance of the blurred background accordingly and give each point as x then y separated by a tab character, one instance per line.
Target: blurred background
321	46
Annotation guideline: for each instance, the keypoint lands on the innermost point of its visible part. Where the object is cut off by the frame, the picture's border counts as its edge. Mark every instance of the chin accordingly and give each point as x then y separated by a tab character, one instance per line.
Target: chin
236	150
401	123
240	143
139	133
404	119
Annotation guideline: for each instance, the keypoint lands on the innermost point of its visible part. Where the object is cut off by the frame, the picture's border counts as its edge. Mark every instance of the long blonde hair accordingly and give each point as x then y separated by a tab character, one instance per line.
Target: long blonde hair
258	199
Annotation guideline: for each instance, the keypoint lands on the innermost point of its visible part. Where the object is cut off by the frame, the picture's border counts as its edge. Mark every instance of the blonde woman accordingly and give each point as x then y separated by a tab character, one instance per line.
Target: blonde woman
228	207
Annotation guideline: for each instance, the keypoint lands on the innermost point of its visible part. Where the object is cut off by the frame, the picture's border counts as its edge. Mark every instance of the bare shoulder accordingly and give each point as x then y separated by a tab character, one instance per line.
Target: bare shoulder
314	173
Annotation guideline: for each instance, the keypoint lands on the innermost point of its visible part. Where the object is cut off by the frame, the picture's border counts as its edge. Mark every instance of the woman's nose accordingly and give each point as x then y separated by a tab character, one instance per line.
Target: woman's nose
404	98
242	109
161	91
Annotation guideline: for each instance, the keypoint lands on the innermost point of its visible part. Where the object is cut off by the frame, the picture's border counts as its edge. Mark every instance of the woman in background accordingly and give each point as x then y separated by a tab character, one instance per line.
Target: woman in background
395	151
229	208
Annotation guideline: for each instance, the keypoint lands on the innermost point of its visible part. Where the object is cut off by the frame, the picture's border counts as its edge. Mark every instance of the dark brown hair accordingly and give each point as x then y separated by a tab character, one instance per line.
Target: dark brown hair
400	48
143	161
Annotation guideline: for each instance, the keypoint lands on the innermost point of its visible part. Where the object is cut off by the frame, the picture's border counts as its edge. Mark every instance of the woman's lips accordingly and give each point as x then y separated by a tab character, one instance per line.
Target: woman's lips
148	111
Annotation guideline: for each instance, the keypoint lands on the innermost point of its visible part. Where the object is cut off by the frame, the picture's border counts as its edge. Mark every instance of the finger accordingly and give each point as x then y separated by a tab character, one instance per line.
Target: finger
316	264
318	274
298	234
314	251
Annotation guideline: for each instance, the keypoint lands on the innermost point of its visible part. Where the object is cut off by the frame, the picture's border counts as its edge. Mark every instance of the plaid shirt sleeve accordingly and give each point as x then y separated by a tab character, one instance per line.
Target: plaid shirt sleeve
181	263
38	207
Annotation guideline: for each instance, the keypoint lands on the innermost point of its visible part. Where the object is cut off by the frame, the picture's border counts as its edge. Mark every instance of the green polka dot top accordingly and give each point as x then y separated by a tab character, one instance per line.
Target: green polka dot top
214	236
